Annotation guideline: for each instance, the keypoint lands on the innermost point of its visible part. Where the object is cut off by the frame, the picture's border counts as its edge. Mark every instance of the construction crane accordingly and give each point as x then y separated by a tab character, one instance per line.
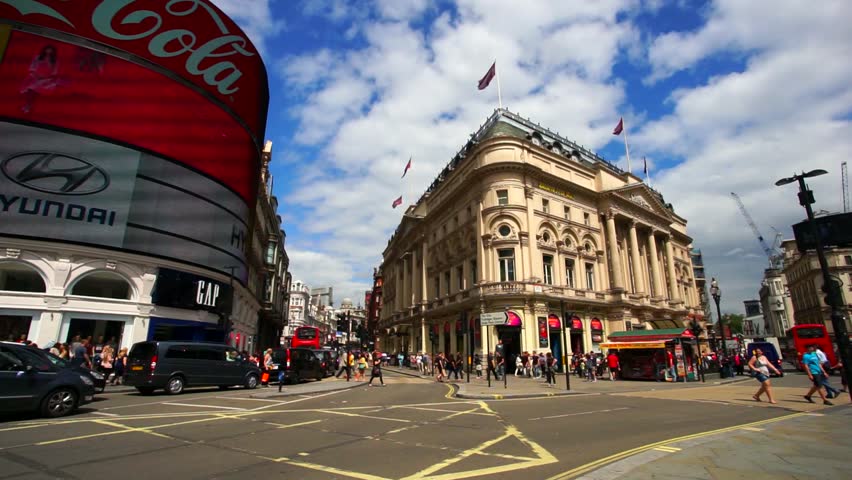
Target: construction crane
771	254
844	180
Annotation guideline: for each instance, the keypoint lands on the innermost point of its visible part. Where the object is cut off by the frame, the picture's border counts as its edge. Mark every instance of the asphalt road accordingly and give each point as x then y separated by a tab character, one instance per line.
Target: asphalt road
410	429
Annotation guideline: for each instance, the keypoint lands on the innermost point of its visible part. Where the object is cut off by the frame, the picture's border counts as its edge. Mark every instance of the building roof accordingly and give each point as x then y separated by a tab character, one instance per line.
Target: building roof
645	335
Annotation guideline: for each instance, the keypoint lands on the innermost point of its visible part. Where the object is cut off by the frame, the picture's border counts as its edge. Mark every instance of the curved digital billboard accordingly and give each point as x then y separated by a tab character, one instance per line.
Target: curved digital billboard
130	125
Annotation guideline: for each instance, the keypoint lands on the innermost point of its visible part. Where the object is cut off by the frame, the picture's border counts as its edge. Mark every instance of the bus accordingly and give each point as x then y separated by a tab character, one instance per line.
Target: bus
798	339
306	337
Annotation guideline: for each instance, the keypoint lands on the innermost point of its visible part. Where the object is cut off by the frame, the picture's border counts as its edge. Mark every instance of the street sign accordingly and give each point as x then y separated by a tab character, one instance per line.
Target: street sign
496	318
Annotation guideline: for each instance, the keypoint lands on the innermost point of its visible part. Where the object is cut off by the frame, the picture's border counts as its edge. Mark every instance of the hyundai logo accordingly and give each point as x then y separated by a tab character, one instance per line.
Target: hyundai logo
55	173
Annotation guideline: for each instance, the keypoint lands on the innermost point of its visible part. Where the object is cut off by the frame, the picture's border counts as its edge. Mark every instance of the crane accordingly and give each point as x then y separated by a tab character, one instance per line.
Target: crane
774	258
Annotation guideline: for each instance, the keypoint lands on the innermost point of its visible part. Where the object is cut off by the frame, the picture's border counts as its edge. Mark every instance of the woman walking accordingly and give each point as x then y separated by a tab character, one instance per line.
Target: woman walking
119	366
759	365
362	368
107	360
377	369
440	363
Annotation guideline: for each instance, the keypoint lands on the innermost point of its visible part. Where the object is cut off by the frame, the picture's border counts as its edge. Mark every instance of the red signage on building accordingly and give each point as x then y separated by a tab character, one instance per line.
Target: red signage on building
576	324
191	39
596	325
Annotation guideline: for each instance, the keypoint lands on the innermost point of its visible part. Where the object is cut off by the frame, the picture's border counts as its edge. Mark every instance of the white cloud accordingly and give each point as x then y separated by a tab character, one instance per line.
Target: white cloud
255	18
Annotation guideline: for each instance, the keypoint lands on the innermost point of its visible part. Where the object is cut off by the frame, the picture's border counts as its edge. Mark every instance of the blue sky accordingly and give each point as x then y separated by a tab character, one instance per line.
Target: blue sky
720	96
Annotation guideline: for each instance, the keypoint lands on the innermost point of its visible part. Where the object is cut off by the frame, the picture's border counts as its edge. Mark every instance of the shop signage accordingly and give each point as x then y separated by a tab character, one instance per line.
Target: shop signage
556	191
542	332
553	321
596	325
496	318
576	324
189	291
679	361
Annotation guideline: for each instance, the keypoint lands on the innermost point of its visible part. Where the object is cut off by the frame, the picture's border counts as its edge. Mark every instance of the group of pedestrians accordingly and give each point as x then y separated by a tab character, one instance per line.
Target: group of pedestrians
355	364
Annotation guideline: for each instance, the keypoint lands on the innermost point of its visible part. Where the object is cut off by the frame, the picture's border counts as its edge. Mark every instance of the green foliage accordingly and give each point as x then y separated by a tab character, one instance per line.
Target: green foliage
735	320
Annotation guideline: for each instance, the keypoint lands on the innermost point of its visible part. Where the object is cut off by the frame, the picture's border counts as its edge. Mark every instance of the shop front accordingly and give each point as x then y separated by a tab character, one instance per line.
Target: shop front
596	327
576	335
510	335
667	354
554	333
188	291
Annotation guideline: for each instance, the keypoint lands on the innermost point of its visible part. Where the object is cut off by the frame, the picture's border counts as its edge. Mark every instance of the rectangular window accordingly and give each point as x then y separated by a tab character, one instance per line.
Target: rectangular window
447	281
545	205
270	253
437	286
590	276
547	262
502	197
569	272
567	211
460	277
587	219
847	259
507	264
473	272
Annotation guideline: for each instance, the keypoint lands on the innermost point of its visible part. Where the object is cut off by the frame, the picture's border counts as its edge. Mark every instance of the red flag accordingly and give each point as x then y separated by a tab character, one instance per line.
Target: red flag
620	127
397	202
407	166
489	75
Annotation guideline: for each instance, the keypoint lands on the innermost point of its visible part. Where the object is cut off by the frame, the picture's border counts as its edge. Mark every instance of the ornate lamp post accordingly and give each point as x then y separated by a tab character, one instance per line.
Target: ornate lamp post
716	293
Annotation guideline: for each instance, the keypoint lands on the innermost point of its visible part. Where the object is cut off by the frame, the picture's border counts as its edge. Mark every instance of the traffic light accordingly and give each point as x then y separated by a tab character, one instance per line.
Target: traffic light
431	335
831	292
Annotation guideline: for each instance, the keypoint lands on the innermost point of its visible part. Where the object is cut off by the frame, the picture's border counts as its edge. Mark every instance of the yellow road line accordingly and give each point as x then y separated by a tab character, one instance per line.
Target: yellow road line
453	460
336	471
280	426
667	449
582	469
347	414
450	392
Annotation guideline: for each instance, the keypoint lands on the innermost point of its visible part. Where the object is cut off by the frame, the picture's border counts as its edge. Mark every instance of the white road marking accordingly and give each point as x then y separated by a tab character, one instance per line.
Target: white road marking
249	399
581	413
106	414
203	406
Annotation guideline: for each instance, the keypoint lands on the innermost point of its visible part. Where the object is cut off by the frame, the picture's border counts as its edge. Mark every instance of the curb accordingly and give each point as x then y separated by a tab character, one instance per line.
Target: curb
348	386
497	396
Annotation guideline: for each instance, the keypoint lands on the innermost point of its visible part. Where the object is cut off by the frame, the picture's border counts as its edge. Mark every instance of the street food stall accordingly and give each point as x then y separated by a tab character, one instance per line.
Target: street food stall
664	354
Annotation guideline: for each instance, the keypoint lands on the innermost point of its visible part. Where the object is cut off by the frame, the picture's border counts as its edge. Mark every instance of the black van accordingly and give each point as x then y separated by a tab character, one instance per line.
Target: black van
174	366
296	364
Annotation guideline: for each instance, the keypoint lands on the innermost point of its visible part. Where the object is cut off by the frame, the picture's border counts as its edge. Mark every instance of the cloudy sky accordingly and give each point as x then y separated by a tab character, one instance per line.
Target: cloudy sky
720	96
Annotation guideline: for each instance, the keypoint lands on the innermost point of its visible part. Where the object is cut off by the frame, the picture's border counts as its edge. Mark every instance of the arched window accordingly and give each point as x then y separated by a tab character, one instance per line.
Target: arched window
19	277
104	285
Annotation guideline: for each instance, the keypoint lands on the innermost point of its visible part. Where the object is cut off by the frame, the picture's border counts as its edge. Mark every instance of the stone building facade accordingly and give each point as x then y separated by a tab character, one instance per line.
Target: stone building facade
526	222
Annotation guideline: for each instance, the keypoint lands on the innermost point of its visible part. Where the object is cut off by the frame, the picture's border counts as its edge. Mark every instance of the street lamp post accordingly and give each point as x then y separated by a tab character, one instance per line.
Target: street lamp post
716	293
829	286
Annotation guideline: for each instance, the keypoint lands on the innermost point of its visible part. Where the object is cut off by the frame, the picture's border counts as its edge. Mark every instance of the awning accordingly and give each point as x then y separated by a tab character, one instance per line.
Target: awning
514	319
553	321
576	324
632	345
596	325
659	335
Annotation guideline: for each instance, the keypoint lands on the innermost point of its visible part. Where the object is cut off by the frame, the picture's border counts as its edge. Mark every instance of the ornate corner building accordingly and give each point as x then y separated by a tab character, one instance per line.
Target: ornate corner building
526	222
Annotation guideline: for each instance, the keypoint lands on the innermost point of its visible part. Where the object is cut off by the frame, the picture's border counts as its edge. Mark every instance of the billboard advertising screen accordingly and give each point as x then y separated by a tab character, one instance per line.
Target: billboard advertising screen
61	187
191	39
78	89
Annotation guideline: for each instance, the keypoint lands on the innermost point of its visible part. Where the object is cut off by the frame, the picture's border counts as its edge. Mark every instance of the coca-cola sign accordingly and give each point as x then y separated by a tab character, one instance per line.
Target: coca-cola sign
191	38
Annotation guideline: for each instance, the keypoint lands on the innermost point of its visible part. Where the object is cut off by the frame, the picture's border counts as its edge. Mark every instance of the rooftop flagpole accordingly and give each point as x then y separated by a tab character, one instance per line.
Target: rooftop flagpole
499	95
626	147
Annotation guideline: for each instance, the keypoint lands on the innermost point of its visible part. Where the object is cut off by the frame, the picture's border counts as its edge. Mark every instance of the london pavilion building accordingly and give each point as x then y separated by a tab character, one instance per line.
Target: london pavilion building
525	222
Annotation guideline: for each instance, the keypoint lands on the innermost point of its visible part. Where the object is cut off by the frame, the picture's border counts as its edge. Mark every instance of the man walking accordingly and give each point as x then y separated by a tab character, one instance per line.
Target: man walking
612	363
816	373
346	363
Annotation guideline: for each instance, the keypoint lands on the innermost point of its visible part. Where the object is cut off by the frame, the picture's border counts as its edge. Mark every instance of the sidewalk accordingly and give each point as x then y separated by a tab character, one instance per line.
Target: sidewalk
522	387
805	445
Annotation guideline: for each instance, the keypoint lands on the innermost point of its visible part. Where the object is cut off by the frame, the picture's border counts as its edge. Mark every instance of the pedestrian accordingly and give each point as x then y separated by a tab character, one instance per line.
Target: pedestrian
81	356
63	351
459	366
550	369
592	367
267	368
419	361
759	365
377	369
477	362
107	361
53	348
362	368
440	365
839	368
739	363
613	364
823	359
427	363
519	365
492	367
119	367
343	362
815	372
536	371
401	357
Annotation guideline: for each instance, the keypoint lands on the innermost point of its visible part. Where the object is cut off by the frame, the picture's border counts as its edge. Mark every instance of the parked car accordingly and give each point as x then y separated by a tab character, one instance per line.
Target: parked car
328	365
296	364
98	378
30	381
173	366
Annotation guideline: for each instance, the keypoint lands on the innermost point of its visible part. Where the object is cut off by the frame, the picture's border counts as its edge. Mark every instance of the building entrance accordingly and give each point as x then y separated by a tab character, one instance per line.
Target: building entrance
14	328
511	337
99	331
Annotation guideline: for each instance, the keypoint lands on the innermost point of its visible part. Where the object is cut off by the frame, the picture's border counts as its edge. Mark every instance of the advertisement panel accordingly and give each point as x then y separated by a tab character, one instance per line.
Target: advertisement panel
191	38
57	186
81	90
186	290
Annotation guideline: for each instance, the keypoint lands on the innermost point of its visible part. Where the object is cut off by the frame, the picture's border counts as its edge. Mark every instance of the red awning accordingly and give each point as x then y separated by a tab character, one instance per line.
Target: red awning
651	335
576	324
446	328
553	321
596	325
514	319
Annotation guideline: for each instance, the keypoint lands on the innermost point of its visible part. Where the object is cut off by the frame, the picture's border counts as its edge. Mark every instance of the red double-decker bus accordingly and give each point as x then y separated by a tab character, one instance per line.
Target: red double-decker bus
306	337
798	339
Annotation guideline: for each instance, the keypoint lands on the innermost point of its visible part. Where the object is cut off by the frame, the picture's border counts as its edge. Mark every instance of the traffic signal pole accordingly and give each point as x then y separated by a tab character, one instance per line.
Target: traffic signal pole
829	285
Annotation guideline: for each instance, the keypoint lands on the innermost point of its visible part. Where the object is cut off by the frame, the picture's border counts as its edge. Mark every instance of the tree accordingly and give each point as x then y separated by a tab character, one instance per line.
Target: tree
735	320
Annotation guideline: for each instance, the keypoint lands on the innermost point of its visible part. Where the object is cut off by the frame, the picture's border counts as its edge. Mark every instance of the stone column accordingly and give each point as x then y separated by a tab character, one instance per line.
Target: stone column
424	282
637	263
424	335
674	295
618	278
441	336
403	268
656	288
